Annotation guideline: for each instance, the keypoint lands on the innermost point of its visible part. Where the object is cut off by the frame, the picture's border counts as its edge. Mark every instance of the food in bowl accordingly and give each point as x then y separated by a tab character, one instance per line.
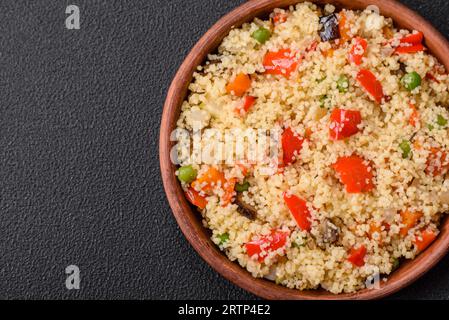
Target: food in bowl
359	183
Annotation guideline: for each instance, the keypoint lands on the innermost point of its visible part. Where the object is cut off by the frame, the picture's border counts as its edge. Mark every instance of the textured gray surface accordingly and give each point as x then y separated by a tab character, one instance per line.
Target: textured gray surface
79	174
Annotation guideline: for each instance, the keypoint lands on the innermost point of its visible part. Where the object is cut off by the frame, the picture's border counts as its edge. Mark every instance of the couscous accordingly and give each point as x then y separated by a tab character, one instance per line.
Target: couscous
359	184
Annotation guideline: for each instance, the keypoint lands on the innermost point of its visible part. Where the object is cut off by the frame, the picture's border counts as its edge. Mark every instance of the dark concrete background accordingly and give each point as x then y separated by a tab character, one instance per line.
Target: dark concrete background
79	174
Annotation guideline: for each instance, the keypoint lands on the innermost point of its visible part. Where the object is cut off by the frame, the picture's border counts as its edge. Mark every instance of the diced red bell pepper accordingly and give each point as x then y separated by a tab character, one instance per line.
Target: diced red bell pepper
248	102
358	51
413	48
437	162
266	244
411	43
424	239
413	38
282	62
299	210
354	173
291	146
357	256
371	85
344	123
195	198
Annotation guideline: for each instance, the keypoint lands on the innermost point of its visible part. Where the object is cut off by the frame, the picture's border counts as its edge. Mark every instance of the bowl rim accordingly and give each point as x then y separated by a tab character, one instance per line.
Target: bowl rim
188	219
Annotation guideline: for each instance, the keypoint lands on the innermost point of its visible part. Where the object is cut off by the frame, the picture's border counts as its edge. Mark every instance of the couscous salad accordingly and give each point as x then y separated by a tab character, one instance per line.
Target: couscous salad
360	181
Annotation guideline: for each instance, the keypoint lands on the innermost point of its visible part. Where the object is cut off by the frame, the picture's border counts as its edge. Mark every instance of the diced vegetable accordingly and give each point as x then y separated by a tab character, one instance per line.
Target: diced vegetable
405	148
424	239
299	210
261	35
241	187
371	85
279	17
223	238
187	174
344	27
248	102
266	244
244	208
344	123
291	146
410	48
209	180
411	44
437	162
282	62
409	219
414	117
195	198
358	51
375	228
330	30
413	38
239	85
430	127
411	80
357	256
354	173
343	83
441	121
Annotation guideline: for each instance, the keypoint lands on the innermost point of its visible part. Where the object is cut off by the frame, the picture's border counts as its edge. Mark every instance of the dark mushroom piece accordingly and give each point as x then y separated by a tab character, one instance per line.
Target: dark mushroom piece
328	233
330	30
244	208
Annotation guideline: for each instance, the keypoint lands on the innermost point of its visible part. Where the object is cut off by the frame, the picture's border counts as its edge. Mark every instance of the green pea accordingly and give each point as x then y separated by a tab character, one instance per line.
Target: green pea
441	121
323	99
223	238
240	187
411	80
186	174
261	35
343	83
406	149
430	127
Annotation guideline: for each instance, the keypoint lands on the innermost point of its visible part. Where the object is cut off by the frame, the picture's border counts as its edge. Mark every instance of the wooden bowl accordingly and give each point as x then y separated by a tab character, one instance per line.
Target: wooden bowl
189	219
